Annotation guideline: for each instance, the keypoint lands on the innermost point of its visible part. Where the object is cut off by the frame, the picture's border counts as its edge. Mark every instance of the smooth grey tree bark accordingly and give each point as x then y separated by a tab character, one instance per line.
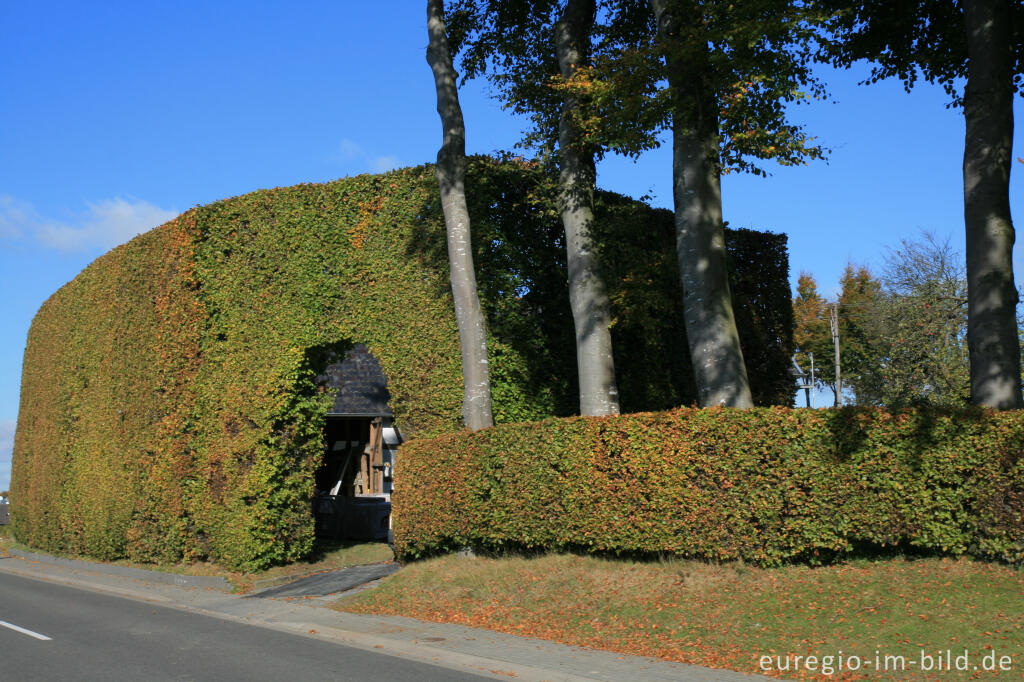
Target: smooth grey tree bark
591	314
451	174
992	339
718	367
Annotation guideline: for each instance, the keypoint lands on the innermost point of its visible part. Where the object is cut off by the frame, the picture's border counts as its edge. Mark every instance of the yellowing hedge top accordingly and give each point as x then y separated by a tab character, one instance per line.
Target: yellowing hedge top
169	408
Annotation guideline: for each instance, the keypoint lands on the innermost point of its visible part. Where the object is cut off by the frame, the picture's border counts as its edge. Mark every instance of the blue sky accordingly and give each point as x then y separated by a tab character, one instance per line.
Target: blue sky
117	116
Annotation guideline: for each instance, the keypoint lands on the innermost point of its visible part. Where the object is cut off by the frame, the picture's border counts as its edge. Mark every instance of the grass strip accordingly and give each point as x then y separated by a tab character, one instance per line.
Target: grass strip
893	615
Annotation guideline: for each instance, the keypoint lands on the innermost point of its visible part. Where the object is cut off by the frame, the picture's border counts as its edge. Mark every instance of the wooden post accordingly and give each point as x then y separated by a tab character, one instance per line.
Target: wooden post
376	455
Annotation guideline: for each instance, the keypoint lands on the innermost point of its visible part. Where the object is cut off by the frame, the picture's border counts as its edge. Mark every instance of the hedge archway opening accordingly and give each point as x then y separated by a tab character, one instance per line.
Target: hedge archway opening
354	479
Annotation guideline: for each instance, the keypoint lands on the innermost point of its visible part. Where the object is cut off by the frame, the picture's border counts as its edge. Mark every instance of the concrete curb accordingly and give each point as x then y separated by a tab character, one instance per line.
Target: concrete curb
209	581
453	660
21	568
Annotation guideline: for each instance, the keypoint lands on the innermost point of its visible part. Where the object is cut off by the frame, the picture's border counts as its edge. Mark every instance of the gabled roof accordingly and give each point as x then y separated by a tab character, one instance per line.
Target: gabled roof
361	389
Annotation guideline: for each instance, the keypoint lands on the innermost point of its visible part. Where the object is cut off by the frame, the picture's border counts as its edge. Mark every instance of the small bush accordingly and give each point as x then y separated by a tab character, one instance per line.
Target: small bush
767	485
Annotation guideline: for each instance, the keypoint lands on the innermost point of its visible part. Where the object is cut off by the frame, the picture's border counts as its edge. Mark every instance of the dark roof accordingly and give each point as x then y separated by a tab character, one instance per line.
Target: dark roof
359	384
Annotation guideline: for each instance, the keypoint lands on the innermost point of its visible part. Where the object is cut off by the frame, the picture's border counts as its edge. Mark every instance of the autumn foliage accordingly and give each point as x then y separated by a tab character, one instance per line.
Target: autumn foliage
169	405
170	409
767	485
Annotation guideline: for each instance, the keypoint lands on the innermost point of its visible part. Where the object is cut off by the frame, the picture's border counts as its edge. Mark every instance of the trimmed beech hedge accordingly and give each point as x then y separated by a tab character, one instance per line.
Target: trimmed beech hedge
767	485
169	408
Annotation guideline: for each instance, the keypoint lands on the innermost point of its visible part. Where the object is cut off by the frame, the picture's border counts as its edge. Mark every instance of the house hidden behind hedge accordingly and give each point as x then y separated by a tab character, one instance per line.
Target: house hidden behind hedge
174	399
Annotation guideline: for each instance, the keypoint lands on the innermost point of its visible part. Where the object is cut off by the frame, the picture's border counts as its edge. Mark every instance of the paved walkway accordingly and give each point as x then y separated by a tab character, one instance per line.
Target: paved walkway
483	652
329	582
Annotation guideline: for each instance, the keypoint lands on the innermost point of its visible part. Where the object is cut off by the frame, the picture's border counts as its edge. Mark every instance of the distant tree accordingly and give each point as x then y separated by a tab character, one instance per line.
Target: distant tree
903	336
811	333
980	42
858	333
451	174
924	316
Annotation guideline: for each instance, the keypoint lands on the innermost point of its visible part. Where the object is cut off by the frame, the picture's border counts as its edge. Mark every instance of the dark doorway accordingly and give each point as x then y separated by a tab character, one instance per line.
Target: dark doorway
358	458
353	484
354	480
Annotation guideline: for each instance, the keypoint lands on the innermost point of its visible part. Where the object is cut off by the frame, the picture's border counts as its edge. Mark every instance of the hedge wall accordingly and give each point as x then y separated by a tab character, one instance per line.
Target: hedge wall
169	405
521	250
767	485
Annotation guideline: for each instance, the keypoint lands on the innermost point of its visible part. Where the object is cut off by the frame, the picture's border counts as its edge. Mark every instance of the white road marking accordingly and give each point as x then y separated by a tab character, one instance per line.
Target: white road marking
23	631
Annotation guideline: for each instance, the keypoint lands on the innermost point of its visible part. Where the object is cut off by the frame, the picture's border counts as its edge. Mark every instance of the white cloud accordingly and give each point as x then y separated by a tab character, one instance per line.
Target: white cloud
384	163
6	448
14	215
105	224
351	153
349	150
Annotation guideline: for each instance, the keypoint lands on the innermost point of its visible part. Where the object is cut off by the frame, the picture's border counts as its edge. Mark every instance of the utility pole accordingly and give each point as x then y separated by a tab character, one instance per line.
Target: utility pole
807	391
834	322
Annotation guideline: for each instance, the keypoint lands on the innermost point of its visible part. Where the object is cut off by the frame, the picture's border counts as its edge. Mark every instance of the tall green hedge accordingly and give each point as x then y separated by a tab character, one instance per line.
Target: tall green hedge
767	485
521	251
169	404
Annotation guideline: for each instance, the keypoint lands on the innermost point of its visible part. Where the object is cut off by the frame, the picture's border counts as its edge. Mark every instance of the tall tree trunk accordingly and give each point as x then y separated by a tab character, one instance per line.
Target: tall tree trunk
991	294
451	173
718	367
599	394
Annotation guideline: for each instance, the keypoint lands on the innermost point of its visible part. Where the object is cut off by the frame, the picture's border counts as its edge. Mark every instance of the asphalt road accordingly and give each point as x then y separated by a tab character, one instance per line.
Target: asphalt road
95	636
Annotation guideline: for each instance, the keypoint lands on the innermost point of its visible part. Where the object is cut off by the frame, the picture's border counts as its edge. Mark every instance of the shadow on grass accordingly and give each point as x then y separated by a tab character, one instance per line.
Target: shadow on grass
859	552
